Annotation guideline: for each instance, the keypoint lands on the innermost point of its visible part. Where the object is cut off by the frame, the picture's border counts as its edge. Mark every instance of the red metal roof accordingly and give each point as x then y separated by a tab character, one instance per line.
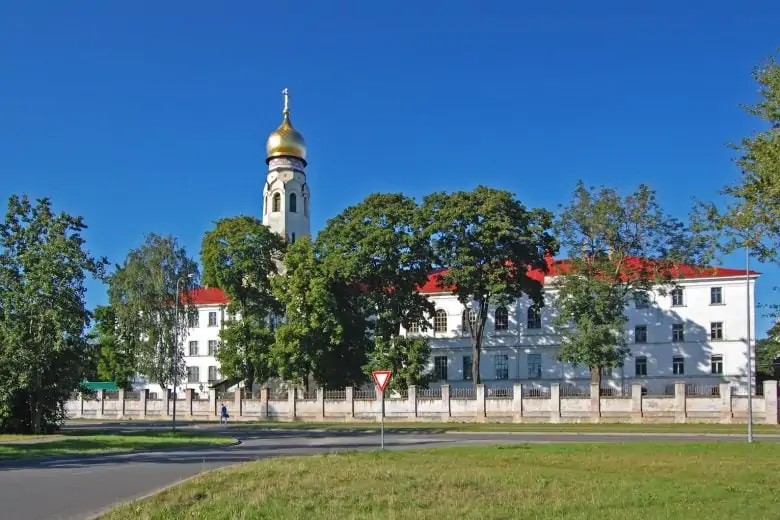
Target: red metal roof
214	296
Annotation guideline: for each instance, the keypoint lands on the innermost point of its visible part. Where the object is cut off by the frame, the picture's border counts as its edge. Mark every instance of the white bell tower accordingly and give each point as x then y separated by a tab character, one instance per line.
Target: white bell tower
286	193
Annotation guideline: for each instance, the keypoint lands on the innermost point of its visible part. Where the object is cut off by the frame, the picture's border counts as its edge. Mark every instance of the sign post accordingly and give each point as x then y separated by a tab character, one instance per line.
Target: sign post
381	378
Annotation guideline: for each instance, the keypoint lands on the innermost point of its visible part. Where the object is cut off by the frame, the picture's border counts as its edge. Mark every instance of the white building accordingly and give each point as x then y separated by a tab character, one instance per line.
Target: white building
697	335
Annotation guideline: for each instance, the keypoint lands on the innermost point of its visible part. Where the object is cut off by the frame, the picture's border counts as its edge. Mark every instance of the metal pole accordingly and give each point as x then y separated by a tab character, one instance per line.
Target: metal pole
749	350
175	348
382	428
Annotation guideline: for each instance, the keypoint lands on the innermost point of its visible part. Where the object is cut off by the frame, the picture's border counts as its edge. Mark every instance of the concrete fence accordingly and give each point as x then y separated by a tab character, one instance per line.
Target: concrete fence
516	404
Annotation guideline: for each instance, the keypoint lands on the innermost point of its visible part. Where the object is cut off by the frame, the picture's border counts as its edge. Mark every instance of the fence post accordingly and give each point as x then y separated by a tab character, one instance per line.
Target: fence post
726	413
213	402
238	402
770	401
188	401
264	403
411	399
680	402
321	403
144	397
636	402
81	406
102	398
595	402
445	402
555	402
292	396
121	408
481	405
517	403
349	395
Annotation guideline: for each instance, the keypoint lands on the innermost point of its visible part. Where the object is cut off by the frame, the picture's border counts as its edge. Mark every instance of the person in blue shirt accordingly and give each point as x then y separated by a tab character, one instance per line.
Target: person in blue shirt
223	414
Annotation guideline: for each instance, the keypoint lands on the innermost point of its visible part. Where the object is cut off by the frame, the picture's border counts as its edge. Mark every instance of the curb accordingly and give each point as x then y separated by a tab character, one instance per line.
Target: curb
95	516
617	434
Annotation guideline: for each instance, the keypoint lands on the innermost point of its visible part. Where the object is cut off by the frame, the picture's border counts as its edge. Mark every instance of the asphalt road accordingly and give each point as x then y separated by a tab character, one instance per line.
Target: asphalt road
79	487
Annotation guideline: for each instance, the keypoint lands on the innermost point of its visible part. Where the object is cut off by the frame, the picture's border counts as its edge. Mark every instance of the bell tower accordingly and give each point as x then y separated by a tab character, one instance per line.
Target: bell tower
286	193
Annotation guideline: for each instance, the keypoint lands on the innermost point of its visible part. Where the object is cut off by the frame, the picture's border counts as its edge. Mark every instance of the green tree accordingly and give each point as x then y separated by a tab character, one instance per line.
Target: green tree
487	240
619	249
768	352
142	294
381	246
240	256
324	333
407	358
115	358
43	318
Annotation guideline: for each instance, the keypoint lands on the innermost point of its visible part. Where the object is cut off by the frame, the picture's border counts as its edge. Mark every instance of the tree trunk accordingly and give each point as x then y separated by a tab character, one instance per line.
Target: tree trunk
477	345
595	376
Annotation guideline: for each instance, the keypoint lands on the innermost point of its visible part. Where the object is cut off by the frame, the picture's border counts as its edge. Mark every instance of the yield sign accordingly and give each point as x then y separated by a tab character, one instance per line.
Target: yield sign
381	378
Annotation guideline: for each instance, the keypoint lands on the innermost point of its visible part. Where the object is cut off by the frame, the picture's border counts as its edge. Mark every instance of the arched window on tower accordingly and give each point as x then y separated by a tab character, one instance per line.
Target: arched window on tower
293	203
277	206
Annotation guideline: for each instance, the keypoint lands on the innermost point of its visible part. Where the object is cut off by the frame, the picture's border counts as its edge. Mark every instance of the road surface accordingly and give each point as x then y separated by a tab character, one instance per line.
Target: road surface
80	487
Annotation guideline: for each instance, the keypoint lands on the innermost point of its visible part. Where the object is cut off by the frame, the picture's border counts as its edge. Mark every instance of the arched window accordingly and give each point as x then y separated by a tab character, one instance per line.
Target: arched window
293	203
305	206
292	238
440	321
534	317
501	319
469	316
277	206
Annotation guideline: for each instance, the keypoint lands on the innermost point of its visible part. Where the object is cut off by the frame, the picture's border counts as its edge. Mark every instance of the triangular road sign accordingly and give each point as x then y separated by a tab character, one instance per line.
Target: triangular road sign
381	378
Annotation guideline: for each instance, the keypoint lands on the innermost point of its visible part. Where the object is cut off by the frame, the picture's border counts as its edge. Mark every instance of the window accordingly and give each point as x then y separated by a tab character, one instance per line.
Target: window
194	320
641	300
716	364
414	328
212	374
640	334
677	332
440	321
502	366
716	331
468	366
305	206
293	203
501	319
193	375
440	368
212	319
534	317
292	238
678	365
277	203
471	316
640	366
716	295
677	297
534	366
213	347
193	348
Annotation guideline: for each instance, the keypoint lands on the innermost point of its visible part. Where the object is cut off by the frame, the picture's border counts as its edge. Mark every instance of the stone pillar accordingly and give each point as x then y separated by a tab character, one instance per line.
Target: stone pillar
144	397
80	411
770	397
412	402
726	412
680	408
121	409
292	396
213	403
264	403
445	402
555	402
517	403
481	405
595	402
321	404
188	401
636	402
349	395
238	403
101	395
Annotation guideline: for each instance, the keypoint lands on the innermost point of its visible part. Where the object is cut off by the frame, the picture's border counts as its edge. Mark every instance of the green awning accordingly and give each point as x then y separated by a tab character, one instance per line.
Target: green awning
226	383
94	386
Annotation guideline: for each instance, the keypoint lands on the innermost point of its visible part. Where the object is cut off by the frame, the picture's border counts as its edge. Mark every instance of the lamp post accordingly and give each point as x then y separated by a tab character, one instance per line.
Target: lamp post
174	361
749	350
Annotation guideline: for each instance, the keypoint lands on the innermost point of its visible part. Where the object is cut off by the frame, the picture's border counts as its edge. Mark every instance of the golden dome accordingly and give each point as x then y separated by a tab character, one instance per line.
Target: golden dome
286	140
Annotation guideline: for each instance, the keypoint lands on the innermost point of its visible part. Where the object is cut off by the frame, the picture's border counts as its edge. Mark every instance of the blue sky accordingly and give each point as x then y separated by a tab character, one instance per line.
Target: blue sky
152	116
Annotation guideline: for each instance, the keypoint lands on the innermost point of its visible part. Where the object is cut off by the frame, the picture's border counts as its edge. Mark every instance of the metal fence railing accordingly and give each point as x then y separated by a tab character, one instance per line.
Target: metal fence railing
462	393
363	394
538	392
500	393
336	395
429	393
571	390
702	390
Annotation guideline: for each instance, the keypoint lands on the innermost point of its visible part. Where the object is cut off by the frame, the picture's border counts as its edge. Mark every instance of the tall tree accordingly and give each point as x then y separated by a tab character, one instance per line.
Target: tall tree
115	358
324	333
240	256
43	318
487	240
619	248
768	352
381	245
407	358
142	294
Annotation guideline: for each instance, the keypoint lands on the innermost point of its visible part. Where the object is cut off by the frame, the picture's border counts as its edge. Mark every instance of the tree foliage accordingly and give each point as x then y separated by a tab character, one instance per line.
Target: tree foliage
407	358
43	318
324	333
240	256
115	358
487	240
768	352
619	248
142	294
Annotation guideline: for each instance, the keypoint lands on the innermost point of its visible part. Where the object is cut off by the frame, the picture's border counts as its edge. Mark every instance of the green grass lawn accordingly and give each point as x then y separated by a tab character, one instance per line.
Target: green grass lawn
542	481
517	427
83	442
